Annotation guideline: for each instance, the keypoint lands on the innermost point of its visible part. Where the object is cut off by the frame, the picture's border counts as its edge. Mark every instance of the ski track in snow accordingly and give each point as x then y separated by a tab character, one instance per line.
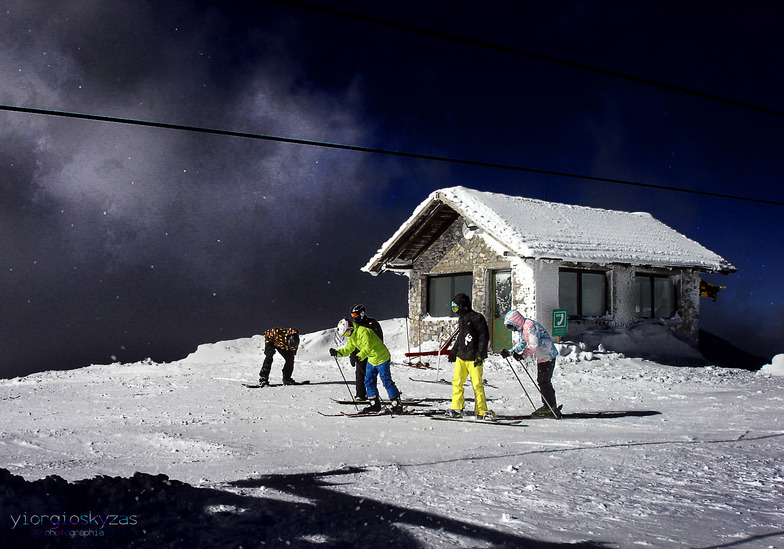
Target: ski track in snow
702	469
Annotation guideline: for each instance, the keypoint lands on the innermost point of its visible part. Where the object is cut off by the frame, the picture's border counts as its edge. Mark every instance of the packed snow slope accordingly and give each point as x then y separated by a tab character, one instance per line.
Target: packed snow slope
183	455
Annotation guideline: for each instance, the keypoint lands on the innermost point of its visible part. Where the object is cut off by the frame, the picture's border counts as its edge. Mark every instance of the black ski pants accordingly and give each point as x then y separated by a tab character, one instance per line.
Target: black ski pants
360	366
544	377
269	353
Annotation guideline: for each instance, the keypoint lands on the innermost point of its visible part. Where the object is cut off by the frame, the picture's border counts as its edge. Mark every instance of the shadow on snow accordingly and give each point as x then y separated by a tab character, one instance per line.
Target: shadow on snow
153	511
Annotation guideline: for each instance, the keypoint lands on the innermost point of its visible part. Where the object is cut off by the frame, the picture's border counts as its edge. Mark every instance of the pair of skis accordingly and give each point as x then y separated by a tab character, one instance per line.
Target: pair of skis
535	416
383	412
405	402
432	414
250	385
419	365
502	420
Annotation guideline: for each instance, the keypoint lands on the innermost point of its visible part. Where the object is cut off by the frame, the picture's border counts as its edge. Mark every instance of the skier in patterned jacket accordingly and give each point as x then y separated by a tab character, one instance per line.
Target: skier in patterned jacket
285	341
531	339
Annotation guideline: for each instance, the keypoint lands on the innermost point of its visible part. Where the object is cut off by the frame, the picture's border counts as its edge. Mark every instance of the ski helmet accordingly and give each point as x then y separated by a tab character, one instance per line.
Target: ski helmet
345	327
358	312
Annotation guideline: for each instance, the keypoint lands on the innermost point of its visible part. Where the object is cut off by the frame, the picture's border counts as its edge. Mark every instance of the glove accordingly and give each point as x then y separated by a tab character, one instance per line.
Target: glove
333	352
504	353
451	358
479	361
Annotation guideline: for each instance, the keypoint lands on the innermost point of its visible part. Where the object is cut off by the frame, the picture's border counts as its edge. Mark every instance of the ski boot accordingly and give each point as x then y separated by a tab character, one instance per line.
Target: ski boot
397	405
375	406
289	381
489	415
545	411
453	414
263	381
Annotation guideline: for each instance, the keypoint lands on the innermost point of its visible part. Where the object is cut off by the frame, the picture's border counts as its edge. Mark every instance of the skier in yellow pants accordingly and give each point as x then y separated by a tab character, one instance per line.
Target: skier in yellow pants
463	369
468	354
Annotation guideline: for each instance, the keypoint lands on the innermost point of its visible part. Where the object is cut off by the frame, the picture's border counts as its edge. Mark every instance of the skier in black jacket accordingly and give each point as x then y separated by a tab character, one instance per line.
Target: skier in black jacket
468	354
359	316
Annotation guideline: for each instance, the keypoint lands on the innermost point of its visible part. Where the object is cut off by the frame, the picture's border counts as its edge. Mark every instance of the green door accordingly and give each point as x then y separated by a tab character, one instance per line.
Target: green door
501	304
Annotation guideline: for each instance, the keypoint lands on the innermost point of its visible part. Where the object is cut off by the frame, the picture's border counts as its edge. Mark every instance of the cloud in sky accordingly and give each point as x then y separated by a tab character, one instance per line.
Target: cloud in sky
138	189
112	202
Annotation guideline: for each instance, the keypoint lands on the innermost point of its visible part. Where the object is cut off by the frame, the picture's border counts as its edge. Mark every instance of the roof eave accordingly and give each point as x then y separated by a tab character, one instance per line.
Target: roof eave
425	226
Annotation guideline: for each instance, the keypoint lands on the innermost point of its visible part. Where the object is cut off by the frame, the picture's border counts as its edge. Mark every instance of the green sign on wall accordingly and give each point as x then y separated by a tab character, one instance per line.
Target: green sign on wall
560	322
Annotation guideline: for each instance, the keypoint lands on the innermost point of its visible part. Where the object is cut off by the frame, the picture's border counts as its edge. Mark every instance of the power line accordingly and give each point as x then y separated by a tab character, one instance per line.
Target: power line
358	148
522	53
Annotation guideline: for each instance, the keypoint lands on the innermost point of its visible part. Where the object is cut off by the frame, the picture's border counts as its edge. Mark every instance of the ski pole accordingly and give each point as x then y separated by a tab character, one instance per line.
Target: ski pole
346	382
555	414
442	347
438	360
408	339
521	383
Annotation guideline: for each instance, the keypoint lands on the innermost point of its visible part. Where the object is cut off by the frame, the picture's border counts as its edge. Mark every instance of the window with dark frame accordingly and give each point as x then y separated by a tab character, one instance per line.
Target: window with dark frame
442	288
582	293
654	296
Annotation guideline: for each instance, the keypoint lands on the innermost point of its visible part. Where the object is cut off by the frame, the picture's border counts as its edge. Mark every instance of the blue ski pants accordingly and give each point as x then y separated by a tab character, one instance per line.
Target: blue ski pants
383	371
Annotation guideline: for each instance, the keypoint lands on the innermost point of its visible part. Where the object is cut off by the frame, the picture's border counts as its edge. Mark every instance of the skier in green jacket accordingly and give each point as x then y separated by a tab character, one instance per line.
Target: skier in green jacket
369	346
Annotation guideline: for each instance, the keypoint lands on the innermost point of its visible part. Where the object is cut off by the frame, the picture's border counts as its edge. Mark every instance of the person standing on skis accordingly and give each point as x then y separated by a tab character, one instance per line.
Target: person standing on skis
370	347
285	341
358	315
531	339
468	354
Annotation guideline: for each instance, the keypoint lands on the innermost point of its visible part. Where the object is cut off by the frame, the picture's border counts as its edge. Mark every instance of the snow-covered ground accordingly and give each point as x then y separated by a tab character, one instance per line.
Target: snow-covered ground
182	455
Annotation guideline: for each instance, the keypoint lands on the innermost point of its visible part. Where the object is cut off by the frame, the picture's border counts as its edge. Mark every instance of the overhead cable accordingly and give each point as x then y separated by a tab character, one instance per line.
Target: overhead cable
358	148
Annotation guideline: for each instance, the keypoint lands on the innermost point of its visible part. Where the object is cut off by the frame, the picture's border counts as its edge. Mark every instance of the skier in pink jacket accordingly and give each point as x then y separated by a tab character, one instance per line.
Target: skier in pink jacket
531	339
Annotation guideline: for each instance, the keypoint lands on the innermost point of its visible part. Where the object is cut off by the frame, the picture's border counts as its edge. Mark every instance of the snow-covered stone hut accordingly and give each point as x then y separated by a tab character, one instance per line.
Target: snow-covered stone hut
606	268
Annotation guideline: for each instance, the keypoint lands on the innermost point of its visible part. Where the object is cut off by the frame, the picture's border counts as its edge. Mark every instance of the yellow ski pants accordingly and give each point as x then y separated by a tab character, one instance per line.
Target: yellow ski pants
463	369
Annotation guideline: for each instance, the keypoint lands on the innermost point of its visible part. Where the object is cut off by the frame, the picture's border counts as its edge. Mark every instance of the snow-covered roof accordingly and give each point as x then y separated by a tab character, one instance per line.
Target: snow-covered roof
537	229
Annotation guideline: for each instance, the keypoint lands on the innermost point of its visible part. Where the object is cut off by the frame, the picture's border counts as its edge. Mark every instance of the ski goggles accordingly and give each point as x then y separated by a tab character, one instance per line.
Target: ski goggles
455	307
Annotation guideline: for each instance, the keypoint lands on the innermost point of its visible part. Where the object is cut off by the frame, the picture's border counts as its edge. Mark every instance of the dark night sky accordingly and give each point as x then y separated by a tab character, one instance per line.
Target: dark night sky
123	242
